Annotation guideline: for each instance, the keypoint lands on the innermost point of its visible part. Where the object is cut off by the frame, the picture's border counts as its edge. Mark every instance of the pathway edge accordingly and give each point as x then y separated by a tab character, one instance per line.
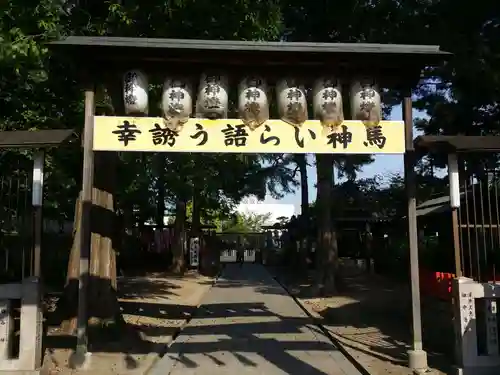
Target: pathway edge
316	320
163	363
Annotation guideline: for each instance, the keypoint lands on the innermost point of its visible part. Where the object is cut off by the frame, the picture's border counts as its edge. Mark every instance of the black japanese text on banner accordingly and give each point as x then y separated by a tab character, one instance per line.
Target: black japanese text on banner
149	134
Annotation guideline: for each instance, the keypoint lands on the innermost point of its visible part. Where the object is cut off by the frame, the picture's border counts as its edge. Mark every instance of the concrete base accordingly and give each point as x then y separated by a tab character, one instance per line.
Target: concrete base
79	361
477	370
417	361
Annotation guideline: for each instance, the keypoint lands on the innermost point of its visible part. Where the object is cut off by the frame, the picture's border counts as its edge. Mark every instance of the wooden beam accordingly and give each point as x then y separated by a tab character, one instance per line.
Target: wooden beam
35	138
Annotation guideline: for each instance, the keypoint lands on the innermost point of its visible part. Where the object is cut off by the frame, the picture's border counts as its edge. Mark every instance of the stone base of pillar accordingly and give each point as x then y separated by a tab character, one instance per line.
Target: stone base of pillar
417	361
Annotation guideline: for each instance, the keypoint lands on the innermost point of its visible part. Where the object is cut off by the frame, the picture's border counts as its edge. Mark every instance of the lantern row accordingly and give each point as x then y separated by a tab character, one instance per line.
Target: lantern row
253	100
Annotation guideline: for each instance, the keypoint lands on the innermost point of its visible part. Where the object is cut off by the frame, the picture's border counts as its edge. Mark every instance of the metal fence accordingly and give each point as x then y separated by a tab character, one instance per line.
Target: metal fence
478	220
16	219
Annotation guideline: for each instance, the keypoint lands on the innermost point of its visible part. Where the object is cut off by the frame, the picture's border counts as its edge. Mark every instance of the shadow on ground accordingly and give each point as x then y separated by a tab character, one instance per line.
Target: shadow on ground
250	330
237	337
146	287
374	312
253	335
149	308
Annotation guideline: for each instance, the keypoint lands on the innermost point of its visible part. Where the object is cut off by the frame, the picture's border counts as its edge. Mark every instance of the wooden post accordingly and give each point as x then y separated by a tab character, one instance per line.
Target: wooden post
454	181
456	242
85	235
37	202
417	357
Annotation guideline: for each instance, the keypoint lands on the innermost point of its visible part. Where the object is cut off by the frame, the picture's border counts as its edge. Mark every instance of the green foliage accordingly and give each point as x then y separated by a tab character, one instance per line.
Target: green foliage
462	96
31	100
245	223
192	19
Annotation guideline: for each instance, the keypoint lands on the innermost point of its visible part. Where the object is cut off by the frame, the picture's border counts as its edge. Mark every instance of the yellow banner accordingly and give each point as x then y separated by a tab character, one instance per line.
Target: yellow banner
149	134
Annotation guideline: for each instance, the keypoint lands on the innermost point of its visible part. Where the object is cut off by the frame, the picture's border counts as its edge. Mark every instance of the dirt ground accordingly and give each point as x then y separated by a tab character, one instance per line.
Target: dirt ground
371	318
154	307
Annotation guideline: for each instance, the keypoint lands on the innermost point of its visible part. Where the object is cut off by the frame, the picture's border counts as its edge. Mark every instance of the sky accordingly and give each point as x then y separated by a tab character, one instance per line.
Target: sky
383	164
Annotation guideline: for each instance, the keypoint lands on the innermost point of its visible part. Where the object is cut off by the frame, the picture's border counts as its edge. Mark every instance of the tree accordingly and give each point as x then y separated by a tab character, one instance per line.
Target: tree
249	222
103	309
202	182
327	236
328	22
300	161
30	99
461	97
282	220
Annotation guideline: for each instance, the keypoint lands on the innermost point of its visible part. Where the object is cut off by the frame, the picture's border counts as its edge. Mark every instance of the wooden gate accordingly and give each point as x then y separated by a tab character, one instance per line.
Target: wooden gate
250	243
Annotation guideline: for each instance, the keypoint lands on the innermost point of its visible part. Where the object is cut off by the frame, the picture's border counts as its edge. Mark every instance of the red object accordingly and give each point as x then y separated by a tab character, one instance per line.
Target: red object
436	284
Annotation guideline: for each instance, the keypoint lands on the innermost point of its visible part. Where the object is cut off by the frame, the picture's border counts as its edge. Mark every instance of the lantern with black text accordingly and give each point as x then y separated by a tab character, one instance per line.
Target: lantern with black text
327	102
177	102
292	101
212	101
253	104
365	102
135	92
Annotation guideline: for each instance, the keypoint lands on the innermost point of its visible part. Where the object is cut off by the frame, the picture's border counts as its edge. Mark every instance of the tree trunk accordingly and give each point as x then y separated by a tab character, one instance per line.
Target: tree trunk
205	255
196	219
103	305
327	258
178	261
304	217
160	187
368	247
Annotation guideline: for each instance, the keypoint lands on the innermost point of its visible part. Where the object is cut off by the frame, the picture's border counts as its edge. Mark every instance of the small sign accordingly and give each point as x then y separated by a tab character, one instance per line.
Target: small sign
194	251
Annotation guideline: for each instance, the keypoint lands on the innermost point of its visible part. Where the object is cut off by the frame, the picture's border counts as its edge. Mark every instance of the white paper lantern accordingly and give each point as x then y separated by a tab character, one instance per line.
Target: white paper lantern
253	103
366	105
327	102
135	92
212	101
292	101
177	102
